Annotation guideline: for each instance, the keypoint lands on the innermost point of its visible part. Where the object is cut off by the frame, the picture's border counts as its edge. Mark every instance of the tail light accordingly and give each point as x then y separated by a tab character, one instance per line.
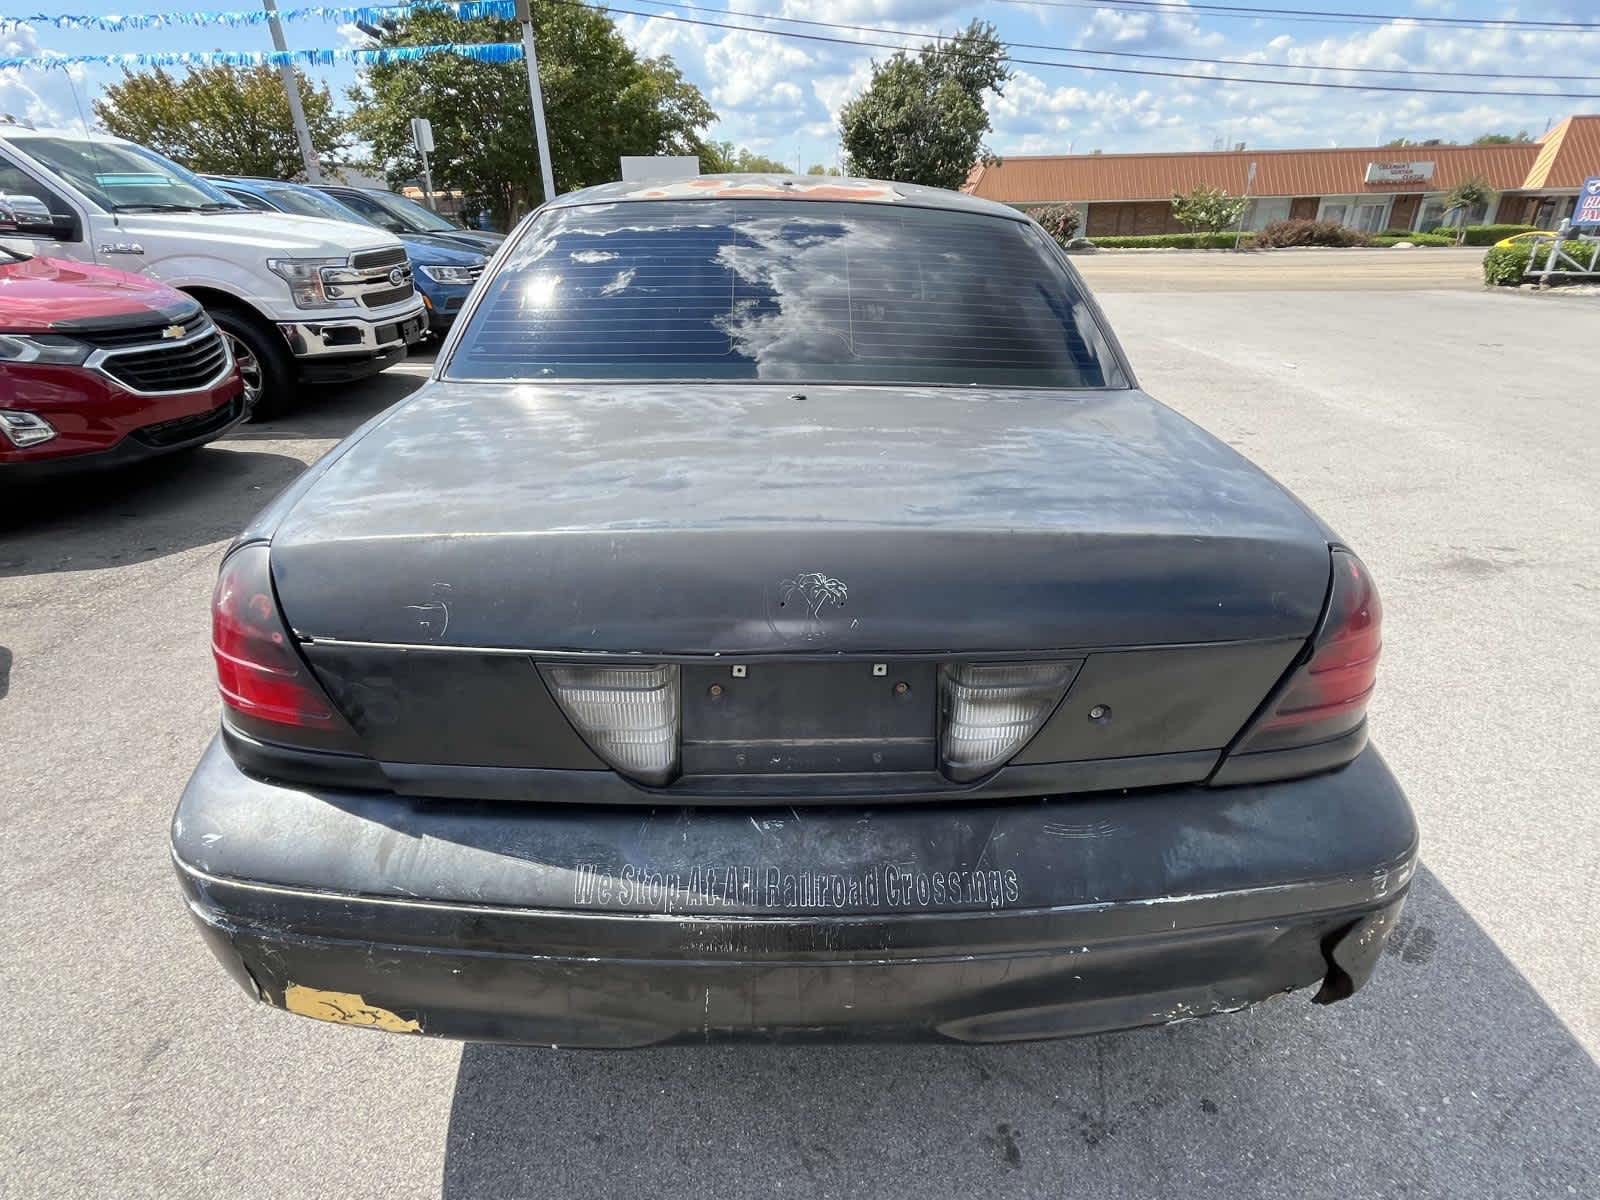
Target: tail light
628	715
1327	695
265	684
991	712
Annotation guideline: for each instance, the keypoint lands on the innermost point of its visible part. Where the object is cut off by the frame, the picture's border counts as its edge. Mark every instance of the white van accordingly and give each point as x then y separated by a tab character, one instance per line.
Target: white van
300	299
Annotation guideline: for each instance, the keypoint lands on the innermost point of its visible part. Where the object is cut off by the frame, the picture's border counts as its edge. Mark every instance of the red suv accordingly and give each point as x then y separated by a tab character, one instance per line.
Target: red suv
99	368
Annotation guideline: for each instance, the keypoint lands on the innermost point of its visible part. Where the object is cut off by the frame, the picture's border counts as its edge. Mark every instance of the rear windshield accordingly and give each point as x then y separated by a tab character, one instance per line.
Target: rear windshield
783	290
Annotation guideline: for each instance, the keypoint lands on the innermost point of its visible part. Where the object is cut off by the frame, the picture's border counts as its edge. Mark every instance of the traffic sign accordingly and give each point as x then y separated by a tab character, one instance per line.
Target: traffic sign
1588	212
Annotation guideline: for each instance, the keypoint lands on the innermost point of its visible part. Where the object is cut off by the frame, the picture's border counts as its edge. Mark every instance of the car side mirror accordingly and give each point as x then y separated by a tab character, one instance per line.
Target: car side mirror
27	216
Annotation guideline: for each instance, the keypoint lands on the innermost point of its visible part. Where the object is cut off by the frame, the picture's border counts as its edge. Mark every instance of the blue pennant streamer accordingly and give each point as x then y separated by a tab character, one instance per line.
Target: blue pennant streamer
467	10
494	52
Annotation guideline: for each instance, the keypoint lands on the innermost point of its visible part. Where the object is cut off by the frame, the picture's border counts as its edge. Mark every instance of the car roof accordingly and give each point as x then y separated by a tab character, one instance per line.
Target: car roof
787	187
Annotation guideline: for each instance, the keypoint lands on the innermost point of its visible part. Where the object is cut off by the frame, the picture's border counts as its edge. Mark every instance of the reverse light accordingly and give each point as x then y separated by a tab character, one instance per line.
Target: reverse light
308	280
628	715
1327	695
990	712
268	689
24	429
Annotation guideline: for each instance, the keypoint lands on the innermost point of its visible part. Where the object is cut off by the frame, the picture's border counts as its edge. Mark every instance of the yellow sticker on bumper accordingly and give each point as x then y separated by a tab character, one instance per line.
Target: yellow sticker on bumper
344	1008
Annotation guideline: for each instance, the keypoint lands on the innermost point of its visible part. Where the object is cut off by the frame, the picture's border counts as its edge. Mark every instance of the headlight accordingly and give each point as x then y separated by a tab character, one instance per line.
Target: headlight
443	274
52	349
308	278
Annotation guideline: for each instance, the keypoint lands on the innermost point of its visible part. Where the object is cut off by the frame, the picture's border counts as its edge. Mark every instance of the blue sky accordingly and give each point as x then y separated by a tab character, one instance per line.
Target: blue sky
781	95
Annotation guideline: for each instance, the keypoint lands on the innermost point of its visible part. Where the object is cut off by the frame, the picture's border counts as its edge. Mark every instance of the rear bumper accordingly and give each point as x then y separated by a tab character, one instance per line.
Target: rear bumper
572	925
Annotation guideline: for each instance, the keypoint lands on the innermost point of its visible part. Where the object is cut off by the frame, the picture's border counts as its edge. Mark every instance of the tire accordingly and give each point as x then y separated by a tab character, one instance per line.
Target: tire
264	361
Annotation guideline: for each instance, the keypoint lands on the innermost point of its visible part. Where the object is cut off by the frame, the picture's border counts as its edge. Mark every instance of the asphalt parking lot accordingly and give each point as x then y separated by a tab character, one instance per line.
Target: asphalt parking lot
1450	435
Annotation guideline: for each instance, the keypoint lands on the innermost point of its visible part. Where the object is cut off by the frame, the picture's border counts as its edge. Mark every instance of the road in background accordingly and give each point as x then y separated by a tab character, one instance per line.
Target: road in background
1450	436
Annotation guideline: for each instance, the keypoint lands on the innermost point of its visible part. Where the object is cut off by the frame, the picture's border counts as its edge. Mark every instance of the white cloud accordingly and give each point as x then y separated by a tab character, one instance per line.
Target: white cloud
755	72
352	36
1035	118
53	96
1123	29
919	14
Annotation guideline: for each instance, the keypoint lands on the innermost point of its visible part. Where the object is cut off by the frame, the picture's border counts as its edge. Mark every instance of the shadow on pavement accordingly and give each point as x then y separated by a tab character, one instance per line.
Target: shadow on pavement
1446	1077
334	410
113	518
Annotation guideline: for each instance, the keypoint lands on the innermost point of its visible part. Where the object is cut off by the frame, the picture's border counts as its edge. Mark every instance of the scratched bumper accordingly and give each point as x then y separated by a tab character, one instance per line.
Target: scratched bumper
556	924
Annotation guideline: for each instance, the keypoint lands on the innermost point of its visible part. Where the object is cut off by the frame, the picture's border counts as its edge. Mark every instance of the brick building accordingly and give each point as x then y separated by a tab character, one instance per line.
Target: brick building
1374	189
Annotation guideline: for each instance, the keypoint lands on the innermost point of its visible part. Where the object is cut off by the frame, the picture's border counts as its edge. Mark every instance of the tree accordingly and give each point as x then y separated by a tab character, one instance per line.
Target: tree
821	169
226	120
1467	195
720	158
1503	139
921	119
1207	209
1060	221
601	101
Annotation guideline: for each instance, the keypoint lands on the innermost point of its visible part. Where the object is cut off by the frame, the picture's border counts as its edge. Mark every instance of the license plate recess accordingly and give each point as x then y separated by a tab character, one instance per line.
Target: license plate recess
809	718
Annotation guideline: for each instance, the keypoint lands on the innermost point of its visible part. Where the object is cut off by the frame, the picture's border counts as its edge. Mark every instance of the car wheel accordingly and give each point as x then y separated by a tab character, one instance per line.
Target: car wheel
264	361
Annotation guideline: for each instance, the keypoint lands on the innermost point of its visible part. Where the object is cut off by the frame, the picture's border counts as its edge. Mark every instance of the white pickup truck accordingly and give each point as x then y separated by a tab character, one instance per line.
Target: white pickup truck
300	299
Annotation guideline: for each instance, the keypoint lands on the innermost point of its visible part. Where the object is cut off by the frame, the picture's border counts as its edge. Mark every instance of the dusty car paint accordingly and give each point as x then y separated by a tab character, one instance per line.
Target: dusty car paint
667	518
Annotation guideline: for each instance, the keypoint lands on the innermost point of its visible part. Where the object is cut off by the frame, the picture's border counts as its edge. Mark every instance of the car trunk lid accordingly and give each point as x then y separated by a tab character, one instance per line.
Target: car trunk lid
745	519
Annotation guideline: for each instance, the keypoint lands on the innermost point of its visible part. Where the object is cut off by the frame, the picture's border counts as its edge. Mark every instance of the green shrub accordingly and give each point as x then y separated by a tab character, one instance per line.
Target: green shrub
1174	241
1487	235
1503	265
1416	239
1506	266
1421	239
1310	233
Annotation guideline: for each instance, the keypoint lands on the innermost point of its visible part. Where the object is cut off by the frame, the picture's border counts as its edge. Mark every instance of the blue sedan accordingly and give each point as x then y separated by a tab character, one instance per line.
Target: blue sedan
442	270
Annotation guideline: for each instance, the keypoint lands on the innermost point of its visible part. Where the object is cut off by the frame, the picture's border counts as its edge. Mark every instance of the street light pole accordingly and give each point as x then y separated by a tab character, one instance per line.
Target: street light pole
1249	182
530	59
291	91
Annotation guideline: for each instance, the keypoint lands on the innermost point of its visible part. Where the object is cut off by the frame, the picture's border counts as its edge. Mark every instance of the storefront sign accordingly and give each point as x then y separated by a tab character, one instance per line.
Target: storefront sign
1588	210
1399	172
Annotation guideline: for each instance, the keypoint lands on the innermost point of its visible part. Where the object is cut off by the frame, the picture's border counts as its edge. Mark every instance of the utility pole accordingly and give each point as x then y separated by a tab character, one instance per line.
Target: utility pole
291	91
530	59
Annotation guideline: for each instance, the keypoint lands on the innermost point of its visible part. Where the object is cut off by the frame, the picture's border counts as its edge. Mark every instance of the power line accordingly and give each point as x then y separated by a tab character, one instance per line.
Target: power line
1322	16
1231	62
1036	62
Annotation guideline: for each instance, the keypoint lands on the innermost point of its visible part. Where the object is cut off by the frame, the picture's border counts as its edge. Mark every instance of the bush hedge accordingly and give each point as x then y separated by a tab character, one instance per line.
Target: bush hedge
1487	235
1504	266
1173	241
1310	233
1416	239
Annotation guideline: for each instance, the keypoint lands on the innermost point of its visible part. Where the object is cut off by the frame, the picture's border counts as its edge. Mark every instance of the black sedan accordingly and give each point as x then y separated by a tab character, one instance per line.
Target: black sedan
783	616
